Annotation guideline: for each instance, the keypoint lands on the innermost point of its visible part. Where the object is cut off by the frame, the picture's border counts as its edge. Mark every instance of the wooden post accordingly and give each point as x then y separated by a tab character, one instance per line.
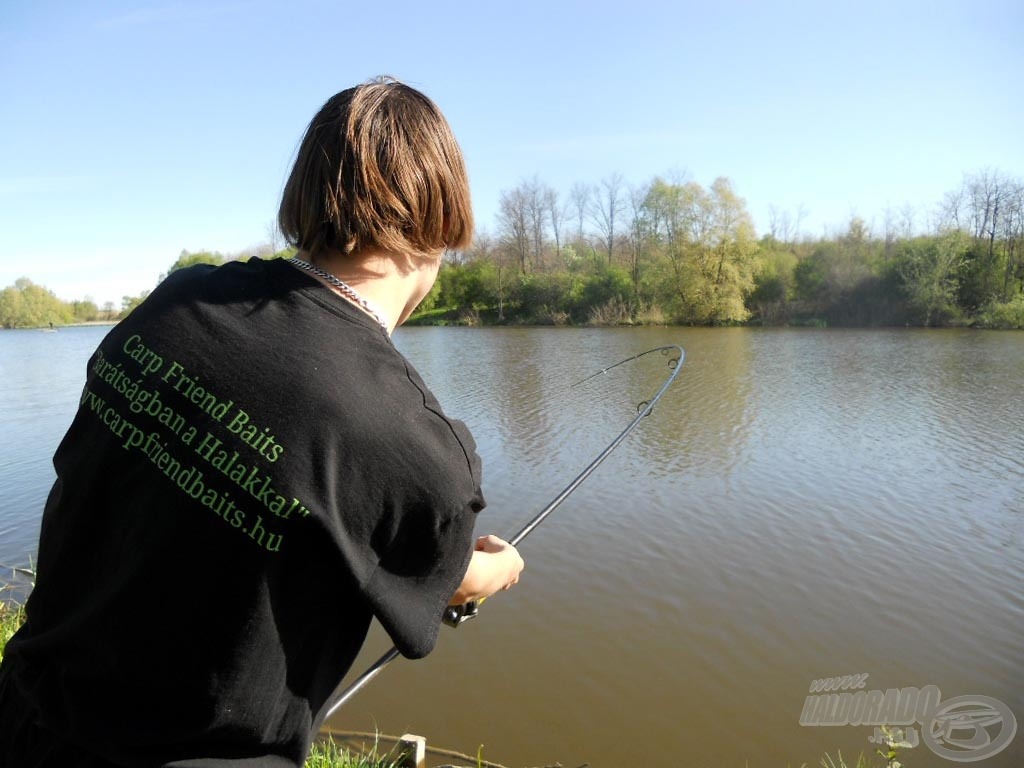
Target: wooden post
412	751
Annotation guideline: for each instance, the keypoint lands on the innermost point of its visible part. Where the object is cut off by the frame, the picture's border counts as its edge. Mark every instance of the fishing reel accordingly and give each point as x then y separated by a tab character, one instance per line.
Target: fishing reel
456	614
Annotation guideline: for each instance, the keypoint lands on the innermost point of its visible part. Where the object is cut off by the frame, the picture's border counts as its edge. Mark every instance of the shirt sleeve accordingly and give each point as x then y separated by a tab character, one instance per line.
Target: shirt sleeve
417	575
425	540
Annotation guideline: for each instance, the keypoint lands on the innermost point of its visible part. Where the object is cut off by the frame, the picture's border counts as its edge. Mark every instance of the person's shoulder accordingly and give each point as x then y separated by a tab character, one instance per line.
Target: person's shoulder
229	273
425	424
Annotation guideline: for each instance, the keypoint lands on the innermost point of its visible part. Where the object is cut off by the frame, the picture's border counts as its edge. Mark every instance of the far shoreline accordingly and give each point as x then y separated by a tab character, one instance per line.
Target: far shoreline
82	324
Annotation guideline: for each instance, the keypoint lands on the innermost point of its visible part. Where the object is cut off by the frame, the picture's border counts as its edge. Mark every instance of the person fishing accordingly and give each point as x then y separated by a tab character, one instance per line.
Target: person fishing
255	473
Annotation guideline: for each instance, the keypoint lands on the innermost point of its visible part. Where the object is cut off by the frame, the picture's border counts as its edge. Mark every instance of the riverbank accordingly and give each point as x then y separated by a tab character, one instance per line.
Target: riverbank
1009	317
62	326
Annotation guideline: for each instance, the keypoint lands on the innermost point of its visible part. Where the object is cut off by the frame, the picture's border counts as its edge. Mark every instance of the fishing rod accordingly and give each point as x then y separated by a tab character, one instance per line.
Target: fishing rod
455	615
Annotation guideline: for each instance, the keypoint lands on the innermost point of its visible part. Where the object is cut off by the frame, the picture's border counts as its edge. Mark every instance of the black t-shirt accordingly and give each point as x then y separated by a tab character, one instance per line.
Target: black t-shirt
254	473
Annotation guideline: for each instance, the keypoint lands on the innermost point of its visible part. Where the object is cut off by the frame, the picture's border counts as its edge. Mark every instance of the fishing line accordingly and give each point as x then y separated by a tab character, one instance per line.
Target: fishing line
456	614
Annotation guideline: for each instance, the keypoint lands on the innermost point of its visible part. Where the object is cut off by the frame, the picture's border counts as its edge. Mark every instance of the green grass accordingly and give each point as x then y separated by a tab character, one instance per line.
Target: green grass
12	616
862	762
328	754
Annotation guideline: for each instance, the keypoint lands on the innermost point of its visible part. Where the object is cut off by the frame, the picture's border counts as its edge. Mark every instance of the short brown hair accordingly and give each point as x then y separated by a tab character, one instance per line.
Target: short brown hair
378	168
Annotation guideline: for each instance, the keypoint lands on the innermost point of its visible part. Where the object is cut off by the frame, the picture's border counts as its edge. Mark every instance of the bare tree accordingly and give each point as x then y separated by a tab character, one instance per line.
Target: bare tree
556	213
801	214
637	229
986	195
907	222
536	210
513	221
1012	234
609	205
889	229
951	210
784	227
579	203
776	223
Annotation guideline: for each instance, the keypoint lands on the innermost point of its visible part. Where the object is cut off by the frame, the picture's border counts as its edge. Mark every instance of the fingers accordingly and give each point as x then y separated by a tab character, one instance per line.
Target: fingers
491	544
512	562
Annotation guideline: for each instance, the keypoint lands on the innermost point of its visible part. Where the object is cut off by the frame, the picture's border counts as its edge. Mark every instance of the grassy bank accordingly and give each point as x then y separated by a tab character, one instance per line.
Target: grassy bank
11	617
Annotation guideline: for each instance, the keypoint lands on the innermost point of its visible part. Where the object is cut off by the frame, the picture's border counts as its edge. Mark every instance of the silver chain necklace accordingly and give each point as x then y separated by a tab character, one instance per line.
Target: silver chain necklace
346	290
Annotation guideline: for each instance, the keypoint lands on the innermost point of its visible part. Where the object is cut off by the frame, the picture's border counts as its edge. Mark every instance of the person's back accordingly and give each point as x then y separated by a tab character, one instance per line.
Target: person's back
254	474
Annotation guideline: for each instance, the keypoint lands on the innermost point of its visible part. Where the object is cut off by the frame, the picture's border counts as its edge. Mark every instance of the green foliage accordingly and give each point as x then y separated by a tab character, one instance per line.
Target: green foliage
85	311
774	276
472	285
700	252
128	303
1005	315
544	299
978	276
27	305
774	283
12	616
809	277
186	259
930	268
683	253
603	285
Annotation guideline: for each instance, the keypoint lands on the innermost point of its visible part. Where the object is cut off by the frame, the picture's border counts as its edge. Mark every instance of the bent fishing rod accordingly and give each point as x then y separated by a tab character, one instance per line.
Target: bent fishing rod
454	615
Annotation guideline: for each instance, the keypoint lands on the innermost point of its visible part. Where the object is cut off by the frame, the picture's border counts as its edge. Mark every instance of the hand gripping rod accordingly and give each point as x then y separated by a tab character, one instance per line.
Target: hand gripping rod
456	614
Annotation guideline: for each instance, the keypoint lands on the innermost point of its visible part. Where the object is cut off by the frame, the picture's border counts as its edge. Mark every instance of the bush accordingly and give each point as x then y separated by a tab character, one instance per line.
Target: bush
543	295
613	312
1007	315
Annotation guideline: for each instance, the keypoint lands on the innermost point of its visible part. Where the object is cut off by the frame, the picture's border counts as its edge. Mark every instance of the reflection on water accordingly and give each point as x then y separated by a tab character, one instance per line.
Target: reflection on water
802	504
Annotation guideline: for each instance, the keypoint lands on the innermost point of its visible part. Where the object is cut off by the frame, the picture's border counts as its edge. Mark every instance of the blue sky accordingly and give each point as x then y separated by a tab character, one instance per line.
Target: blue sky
132	130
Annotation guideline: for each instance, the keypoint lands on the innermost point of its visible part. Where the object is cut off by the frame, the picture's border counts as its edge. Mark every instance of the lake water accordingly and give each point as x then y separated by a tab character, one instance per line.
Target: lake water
802	504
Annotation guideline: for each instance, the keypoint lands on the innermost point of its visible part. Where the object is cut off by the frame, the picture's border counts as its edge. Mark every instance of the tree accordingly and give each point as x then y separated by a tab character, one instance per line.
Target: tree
734	248
988	207
850	262
608	207
129	303
534	196
186	259
85	311
27	305
930	268
485	250
637	231
704	244
783	227
513	225
556	214
10	307
774	282
579	204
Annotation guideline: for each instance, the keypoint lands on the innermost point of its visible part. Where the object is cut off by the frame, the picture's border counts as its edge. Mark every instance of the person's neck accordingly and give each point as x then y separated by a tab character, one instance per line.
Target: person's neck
392	283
